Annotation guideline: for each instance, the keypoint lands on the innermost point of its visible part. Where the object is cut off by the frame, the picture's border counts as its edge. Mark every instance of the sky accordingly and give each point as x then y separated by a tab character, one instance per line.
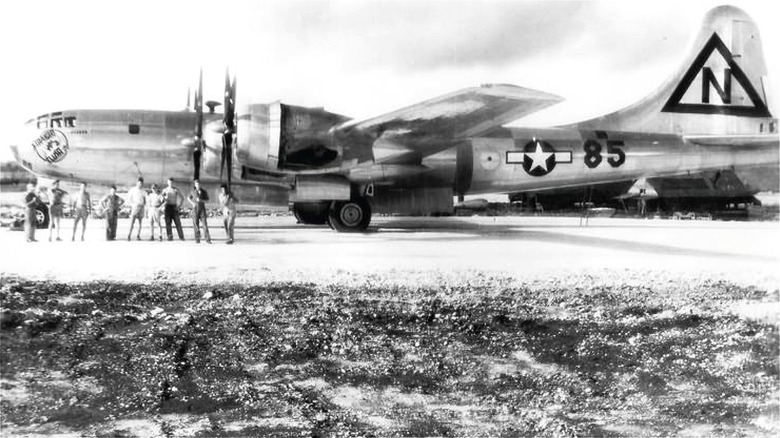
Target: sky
360	59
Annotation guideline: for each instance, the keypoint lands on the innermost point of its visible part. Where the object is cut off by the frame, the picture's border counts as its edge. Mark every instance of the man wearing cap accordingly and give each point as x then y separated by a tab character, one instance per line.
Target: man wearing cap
56	195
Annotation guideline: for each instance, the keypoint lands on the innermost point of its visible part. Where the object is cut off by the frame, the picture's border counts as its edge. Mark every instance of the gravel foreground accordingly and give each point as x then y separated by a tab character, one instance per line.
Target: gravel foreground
489	357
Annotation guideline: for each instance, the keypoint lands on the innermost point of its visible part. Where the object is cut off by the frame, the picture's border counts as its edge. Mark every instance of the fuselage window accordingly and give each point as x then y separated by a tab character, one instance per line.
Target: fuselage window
55	120
133	128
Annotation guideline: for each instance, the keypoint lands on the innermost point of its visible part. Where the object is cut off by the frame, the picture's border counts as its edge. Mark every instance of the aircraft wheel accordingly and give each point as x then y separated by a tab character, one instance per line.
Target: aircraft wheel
350	216
311	213
41	217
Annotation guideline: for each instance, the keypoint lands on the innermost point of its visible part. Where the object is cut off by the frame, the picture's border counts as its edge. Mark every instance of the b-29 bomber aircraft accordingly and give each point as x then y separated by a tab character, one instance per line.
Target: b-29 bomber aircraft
711	114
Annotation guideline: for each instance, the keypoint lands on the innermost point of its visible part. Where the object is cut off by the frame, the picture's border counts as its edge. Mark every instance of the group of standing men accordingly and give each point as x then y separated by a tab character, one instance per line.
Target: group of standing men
154	205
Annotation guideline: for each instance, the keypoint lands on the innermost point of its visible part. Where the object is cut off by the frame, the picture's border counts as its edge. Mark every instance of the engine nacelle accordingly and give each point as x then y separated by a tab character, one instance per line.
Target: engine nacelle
284	137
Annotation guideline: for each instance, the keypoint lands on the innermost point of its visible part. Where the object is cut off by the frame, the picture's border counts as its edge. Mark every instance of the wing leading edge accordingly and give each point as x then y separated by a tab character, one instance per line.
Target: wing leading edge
460	114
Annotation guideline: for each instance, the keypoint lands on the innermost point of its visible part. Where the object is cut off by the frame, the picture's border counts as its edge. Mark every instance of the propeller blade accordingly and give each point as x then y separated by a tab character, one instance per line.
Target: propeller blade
197	152
223	157
229	127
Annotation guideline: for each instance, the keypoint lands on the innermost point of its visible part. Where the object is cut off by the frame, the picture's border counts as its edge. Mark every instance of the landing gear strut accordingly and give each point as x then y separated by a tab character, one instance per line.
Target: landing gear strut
350	216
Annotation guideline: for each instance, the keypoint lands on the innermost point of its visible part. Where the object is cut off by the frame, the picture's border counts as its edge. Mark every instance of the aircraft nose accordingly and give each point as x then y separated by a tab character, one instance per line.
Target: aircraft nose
40	142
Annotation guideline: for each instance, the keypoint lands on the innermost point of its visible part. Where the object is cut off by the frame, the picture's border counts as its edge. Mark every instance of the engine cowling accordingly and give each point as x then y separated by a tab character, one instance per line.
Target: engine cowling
276	136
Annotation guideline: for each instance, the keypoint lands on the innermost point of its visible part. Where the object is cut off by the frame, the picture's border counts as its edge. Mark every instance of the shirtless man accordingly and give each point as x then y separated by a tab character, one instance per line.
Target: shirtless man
82	208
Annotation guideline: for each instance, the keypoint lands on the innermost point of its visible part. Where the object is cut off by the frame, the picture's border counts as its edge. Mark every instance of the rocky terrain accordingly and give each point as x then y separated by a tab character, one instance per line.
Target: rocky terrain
487	357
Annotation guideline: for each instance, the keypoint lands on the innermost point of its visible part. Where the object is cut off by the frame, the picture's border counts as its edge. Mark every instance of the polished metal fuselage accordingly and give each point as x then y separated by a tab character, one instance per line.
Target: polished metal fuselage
107	147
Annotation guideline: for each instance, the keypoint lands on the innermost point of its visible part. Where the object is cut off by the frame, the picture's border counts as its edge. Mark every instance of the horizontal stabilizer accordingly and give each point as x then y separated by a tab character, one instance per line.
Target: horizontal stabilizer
456	115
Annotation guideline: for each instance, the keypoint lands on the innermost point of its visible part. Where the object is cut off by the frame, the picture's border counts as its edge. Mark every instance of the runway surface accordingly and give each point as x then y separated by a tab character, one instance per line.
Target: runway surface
414	250
521	326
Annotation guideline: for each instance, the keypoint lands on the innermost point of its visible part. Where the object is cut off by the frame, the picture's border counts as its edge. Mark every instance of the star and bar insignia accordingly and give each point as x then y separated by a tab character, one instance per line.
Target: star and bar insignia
538	157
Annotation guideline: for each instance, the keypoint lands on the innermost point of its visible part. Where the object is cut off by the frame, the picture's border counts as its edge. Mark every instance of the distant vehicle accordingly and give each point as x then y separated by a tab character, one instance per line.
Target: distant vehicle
683	216
711	114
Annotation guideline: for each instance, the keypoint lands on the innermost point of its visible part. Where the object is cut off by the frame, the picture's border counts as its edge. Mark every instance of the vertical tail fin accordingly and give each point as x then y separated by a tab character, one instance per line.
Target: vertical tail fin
720	89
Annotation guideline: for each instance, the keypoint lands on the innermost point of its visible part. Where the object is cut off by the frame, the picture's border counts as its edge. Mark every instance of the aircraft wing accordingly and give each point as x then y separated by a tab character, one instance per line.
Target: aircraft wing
754	140
456	115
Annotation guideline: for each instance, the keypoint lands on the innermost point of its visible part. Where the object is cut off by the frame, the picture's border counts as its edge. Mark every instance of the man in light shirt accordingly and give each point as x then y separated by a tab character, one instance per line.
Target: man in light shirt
173	200
136	197
154	210
82	208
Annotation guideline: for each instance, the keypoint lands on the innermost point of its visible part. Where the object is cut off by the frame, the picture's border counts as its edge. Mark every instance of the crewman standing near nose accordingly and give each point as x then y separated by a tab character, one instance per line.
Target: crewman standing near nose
137	199
111	204
173	200
198	198
56	195
154	207
31	200
82	208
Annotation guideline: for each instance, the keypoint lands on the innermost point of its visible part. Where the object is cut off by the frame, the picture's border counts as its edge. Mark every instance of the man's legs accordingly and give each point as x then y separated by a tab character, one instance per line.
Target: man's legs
29	225
139	214
57	220
196	223
168	218
200	214
230	222
114	218
84	225
177	221
132	222
75	225
108	225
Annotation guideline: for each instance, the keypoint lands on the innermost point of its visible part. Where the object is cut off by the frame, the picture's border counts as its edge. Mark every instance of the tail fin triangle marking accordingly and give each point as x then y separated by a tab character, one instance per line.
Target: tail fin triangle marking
723	86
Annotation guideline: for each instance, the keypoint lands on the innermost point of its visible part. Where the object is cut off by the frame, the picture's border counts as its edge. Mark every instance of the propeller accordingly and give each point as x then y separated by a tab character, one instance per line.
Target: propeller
197	151
229	127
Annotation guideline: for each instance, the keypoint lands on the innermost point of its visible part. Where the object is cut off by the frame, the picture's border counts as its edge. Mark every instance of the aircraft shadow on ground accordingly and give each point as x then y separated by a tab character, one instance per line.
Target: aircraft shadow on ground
519	233
428	229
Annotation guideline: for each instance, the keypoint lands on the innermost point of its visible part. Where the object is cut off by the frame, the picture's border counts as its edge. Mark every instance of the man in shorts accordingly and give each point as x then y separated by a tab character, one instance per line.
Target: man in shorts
136	196
82	208
56	196
154	209
228	204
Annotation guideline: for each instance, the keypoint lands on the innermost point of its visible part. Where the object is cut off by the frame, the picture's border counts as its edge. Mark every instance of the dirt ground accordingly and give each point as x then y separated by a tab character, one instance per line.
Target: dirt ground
492	356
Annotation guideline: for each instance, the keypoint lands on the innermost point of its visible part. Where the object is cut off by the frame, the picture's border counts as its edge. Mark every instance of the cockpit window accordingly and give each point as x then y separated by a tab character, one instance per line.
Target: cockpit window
55	120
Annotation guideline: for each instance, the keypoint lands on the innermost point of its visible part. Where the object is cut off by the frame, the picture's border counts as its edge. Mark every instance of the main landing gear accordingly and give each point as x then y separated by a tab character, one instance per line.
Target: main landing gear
350	216
342	216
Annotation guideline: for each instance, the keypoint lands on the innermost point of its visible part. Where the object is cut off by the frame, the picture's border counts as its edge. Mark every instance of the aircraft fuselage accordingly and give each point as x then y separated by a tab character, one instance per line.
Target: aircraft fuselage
117	146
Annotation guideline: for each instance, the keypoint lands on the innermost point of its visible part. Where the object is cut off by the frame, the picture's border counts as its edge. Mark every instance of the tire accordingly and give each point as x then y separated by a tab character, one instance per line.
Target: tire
41	217
350	216
311	213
